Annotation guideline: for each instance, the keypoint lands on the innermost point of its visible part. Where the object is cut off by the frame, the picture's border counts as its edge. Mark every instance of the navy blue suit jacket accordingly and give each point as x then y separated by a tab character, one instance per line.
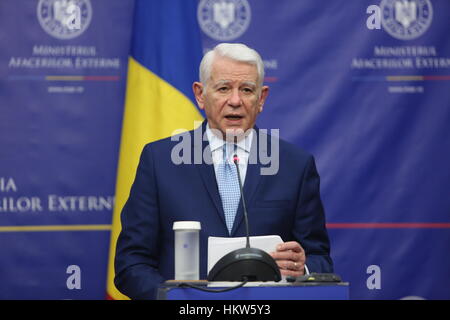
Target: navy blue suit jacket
287	204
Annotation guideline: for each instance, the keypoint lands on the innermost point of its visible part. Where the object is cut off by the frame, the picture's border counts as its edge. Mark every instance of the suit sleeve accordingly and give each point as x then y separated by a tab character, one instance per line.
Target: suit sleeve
136	260
310	229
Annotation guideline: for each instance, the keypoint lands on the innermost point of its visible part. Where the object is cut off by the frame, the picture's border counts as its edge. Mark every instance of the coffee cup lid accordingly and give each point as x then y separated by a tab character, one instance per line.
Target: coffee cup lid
186	225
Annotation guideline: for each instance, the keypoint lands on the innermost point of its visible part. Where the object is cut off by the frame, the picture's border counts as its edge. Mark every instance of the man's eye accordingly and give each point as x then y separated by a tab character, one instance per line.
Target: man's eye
247	90
223	89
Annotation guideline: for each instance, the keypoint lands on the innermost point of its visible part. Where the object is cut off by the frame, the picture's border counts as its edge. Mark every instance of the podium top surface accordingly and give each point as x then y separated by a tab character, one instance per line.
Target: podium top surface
179	290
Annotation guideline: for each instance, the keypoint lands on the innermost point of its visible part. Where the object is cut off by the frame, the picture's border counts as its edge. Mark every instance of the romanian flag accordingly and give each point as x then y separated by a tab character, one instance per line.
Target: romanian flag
165	54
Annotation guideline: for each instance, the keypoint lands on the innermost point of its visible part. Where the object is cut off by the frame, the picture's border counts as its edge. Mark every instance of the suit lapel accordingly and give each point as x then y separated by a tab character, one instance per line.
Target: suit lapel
207	173
252	179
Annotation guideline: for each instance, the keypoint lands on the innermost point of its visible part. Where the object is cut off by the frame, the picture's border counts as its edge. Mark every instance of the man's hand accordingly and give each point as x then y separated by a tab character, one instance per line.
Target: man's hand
290	258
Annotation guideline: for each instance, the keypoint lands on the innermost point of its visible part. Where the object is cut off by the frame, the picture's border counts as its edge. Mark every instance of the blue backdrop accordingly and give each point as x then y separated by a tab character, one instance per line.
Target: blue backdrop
368	95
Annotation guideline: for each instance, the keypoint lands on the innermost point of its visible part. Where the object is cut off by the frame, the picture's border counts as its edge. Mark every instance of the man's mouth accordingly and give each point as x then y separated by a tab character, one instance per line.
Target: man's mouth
233	117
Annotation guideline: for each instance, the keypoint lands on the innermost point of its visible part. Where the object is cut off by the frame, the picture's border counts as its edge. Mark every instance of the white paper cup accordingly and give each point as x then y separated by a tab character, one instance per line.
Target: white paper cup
187	250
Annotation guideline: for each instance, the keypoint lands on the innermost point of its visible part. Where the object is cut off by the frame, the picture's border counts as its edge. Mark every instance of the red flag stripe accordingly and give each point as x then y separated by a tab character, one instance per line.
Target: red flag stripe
388	225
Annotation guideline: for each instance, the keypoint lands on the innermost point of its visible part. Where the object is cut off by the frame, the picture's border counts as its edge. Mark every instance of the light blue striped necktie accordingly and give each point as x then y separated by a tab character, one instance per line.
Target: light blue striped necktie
228	184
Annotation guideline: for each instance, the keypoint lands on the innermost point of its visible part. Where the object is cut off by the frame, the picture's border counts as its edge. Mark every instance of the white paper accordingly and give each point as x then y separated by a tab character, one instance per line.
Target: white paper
218	246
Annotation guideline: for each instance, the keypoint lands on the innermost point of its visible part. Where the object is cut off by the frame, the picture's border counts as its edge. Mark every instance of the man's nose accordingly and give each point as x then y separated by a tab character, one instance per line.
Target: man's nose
235	99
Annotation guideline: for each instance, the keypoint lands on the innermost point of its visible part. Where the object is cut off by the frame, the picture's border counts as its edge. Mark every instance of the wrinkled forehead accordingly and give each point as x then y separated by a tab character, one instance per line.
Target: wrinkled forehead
225	69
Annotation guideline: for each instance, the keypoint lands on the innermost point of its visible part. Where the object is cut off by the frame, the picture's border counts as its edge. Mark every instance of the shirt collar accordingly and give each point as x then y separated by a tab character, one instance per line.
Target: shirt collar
215	142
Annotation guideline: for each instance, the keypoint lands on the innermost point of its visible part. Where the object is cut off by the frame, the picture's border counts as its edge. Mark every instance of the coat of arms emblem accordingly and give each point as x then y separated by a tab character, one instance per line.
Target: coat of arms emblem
223	19
223	13
405	12
64	19
406	19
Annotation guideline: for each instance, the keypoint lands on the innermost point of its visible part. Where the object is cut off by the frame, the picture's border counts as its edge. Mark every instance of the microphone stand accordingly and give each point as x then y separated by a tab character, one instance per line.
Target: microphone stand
245	264
236	162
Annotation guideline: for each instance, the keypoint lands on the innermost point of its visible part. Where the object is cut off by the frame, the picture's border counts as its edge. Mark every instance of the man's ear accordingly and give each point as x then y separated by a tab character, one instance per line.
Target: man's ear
263	97
197	87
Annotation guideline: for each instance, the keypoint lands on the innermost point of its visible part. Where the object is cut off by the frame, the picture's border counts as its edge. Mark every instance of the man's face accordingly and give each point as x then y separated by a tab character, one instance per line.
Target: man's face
232	98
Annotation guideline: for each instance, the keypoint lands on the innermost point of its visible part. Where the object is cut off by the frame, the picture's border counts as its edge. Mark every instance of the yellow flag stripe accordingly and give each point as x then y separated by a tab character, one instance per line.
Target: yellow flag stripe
153	110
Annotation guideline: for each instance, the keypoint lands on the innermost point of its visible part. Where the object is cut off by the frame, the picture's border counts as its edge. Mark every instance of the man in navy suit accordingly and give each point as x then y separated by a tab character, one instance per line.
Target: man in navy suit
282	198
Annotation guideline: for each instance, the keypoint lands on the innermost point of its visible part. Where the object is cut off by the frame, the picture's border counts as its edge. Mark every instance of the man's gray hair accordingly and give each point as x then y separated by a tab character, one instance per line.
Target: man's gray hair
234	51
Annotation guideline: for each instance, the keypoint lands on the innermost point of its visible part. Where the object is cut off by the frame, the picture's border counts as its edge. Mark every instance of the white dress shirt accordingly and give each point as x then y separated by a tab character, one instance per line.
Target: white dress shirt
242	151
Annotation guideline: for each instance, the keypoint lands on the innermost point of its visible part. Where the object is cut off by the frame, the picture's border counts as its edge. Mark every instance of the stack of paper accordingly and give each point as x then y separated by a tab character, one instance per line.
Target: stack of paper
218	247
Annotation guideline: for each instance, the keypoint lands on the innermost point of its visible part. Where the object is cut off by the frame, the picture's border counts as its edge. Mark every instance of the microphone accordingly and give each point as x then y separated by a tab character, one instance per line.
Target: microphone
236	163
245	264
